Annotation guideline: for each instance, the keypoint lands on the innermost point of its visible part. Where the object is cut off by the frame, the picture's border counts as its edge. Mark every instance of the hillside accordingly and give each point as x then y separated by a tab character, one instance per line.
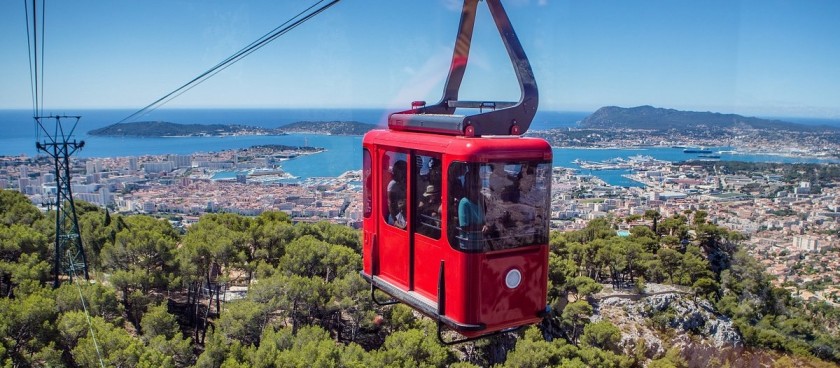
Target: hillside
293	297
167	129
328	127
653	118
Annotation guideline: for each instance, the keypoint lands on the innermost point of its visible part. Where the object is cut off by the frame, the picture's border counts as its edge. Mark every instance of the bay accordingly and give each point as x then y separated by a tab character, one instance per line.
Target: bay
342	153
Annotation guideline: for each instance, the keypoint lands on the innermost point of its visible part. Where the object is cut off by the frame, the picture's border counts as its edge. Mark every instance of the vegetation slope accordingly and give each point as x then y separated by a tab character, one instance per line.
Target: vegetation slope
307	305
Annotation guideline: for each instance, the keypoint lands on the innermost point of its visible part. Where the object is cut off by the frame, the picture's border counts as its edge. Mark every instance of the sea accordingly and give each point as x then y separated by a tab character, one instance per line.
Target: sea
18	134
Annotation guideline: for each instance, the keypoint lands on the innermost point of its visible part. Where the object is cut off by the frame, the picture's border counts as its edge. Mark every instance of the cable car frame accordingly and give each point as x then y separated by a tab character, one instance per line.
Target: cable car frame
456	207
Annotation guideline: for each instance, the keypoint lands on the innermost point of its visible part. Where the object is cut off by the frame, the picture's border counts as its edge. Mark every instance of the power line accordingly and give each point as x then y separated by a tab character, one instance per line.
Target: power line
280	30
36	55
43	56
29	54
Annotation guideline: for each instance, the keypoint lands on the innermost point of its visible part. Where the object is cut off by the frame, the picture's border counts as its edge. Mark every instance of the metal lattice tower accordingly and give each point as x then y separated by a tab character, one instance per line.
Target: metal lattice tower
70	256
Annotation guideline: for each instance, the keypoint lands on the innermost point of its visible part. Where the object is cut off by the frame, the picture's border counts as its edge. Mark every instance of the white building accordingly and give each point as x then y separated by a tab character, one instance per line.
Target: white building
806	243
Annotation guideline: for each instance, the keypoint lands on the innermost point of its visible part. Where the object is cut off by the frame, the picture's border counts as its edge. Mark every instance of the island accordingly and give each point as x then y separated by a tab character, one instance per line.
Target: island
157	129
153	129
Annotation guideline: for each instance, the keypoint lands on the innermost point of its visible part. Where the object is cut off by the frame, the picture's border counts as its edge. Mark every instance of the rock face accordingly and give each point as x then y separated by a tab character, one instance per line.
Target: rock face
664	319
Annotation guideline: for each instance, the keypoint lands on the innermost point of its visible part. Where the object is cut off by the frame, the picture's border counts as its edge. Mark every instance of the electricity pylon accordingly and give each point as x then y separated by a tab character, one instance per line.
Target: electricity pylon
70	256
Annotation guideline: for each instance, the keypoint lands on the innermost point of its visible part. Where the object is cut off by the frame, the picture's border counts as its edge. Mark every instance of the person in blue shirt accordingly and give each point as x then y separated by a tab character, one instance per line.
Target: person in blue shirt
471	214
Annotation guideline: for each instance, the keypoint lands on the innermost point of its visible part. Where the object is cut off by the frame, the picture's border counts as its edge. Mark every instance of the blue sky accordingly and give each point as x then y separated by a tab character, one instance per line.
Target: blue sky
763	58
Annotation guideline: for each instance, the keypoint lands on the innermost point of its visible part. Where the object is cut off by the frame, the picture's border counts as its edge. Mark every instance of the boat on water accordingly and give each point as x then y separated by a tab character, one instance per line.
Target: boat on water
266	171
697	150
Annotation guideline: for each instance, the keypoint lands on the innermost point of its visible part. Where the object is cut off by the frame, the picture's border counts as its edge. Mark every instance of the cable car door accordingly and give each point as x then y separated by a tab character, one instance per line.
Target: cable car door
426	231
393	246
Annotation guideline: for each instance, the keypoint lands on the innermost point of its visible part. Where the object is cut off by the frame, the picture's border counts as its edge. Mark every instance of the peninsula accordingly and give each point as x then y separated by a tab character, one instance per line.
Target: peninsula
328	127
647	126
654	118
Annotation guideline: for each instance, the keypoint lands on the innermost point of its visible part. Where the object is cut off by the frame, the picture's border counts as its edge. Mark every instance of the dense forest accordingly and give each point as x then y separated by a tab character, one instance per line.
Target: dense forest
150	302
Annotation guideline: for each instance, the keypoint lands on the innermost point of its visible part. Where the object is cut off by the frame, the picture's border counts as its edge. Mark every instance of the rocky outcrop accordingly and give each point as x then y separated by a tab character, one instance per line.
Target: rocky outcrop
665	318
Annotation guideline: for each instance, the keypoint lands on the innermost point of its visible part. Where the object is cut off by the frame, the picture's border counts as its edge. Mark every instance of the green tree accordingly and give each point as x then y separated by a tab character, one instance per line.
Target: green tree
654	217
310	257
100	300
26	325
158	322
671	261
216	239
694	266
350	296
24	255
413	348
574	318
583	287
243	320
97	230
269	234
644	236
15	208
532	351
112	344
706	287
145	252
603	335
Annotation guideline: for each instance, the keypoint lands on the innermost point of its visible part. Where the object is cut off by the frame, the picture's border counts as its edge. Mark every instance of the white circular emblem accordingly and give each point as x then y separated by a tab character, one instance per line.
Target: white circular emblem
513	278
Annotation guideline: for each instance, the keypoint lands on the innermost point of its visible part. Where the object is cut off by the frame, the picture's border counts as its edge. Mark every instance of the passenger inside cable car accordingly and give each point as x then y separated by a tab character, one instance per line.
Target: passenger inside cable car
501	205
396	195
428	197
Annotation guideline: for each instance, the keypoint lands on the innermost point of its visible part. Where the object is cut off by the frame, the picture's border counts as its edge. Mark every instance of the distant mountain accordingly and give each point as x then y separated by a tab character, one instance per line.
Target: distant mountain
167	129
653	118
328	127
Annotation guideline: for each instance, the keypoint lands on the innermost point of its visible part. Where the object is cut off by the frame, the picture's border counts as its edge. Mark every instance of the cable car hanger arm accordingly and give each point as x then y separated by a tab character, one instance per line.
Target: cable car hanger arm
504	118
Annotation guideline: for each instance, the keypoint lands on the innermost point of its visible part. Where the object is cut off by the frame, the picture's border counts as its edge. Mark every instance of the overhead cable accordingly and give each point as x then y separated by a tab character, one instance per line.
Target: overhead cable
230	60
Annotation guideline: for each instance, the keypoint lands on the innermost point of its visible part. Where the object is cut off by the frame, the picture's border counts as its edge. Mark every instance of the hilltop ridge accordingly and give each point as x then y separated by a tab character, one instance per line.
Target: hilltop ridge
654	118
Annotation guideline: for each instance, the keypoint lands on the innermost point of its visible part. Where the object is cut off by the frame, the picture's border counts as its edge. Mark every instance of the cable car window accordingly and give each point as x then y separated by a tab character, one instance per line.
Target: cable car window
498	205
427	175
395	175
367	201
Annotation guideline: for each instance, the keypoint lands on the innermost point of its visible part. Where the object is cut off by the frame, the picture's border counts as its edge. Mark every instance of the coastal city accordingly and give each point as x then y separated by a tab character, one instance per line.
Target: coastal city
791	227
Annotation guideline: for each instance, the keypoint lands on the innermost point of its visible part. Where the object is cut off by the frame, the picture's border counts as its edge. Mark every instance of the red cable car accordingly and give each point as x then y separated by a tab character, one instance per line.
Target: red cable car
456	207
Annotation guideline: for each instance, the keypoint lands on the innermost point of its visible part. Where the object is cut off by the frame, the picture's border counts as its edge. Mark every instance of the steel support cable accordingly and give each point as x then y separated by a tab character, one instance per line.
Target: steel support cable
36	68
35	40
29	54
239	57
43	57
247	50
